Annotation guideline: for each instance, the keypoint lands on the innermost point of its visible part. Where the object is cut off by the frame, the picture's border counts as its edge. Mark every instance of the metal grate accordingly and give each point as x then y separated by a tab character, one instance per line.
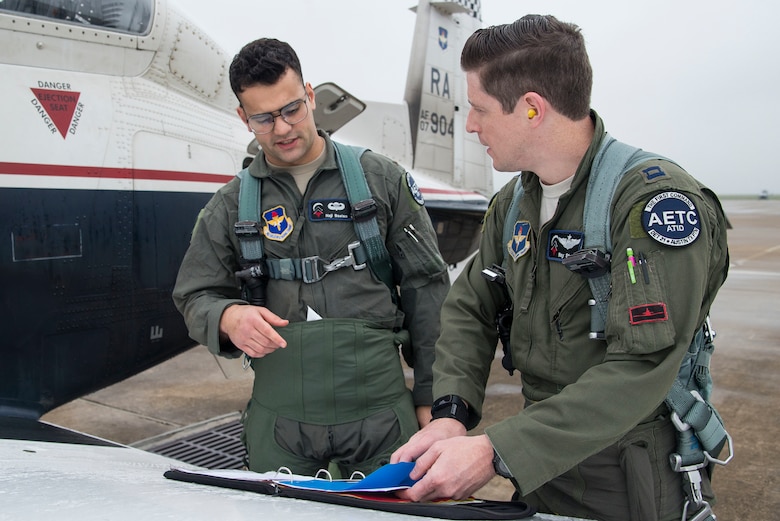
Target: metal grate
216	448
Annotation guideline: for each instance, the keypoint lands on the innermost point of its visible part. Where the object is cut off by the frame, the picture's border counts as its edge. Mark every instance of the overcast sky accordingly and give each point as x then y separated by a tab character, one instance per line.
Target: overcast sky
694	80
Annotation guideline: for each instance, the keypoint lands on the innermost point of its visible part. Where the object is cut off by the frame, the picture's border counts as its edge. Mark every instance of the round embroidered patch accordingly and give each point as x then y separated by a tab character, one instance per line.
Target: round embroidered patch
671	219
414	189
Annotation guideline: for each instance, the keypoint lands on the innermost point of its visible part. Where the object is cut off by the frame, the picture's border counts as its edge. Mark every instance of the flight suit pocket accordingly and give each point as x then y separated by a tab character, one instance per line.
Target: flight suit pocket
418	260
638	307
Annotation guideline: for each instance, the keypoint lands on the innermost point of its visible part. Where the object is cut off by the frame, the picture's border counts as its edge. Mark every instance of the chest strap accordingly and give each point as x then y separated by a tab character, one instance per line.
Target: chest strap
313	269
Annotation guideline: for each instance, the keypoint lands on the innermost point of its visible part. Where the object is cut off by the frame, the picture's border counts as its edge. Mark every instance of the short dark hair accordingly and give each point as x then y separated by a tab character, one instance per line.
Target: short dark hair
262	61
535	53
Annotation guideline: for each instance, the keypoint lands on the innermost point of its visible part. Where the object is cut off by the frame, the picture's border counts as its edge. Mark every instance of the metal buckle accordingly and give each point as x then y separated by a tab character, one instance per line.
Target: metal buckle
310	269
709	333
313	269
722	461
683	426
353	246
364	210
702	515
246	229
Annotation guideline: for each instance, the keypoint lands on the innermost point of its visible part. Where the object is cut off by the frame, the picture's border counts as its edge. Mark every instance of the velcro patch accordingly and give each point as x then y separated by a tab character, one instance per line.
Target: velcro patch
671	219
330	210
653	173
278	226
562	243
647	313
414	189
518	245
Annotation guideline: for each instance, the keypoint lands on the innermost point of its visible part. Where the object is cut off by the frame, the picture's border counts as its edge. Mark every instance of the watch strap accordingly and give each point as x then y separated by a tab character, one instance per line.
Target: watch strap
450	406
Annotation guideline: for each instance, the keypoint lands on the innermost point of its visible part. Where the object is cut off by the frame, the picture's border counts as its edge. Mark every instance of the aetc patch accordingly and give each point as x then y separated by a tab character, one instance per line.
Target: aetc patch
671	219
562	243
414	189
518	244
277	225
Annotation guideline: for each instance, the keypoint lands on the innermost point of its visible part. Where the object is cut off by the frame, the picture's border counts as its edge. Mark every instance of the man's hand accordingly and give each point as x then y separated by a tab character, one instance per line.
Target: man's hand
250	329
421	441
451	468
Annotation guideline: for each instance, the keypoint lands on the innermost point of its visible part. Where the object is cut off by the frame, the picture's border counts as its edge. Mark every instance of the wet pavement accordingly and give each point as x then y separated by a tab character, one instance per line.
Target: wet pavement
196	387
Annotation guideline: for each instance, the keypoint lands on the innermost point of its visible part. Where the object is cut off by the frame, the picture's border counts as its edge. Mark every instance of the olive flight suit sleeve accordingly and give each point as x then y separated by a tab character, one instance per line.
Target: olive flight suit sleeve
206	283
651	322
420	272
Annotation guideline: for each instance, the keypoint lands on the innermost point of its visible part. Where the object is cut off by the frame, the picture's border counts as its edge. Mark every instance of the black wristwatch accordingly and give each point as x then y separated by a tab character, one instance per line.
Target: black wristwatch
499	466
451	406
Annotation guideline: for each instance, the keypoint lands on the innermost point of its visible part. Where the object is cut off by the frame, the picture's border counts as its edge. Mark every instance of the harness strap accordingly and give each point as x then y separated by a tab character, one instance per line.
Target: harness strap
364	211
612	161
247	229
371	250
313	269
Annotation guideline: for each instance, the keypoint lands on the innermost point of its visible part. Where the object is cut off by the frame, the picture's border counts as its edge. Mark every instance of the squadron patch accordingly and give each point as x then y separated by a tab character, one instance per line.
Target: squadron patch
647	313
414	189
562	243
277	225
330	210
518	245
671	219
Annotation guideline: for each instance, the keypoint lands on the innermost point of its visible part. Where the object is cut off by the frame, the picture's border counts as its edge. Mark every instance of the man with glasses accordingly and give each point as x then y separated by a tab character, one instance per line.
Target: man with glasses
329	385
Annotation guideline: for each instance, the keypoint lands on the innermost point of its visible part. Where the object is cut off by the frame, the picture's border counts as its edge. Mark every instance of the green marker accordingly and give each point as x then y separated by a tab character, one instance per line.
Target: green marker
631	263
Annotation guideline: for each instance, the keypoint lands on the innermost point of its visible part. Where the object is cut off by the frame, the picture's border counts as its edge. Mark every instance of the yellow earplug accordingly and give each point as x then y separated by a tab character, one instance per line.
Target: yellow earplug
531	113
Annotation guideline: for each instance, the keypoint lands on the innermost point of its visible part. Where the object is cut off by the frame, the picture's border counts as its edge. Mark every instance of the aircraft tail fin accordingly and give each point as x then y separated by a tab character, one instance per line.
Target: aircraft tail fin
436	96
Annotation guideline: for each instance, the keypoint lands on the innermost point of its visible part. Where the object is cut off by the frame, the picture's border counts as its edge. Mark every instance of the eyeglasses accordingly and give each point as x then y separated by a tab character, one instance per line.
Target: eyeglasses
291	113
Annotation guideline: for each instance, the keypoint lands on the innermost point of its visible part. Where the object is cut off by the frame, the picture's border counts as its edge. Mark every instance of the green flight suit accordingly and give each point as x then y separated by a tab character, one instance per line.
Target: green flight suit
340	376
594	435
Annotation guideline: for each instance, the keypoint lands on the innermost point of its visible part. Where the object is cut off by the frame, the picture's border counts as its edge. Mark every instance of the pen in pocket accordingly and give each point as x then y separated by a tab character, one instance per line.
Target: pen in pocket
643	266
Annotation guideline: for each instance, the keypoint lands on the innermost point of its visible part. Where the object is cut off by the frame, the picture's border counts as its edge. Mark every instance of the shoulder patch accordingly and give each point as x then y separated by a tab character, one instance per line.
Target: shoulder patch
562	243
414	189
518	245
672	219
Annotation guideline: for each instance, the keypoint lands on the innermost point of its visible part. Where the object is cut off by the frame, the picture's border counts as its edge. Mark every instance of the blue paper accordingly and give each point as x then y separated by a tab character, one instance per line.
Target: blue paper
394	476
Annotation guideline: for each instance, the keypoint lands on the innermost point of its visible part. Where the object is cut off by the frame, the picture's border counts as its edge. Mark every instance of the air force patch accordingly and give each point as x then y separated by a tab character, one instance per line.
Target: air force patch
277	225
518	245
671	219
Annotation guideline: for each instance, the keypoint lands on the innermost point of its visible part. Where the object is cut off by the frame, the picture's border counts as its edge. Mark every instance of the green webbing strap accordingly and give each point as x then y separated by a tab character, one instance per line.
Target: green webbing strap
364	212
511	217
605	174
248	212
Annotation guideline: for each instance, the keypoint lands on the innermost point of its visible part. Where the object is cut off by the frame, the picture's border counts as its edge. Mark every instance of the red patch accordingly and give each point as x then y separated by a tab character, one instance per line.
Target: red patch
647	313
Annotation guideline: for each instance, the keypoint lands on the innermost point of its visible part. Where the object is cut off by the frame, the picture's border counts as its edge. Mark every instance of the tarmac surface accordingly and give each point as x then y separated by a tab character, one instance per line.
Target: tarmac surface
195	387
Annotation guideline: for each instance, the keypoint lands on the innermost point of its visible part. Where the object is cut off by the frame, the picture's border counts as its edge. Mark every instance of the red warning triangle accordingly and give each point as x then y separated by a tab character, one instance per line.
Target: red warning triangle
59	105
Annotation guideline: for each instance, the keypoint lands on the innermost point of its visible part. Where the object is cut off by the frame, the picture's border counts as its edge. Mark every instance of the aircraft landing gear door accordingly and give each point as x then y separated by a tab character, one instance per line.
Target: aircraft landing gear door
335	107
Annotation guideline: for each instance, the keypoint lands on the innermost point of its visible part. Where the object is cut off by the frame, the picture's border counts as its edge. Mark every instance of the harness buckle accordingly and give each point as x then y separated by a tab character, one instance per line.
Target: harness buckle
682	426
702	515
246	229
364	210
709	333
314	269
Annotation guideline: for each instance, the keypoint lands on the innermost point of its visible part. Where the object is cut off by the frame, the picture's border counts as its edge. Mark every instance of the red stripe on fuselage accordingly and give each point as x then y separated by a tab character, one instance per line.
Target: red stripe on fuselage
109	173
